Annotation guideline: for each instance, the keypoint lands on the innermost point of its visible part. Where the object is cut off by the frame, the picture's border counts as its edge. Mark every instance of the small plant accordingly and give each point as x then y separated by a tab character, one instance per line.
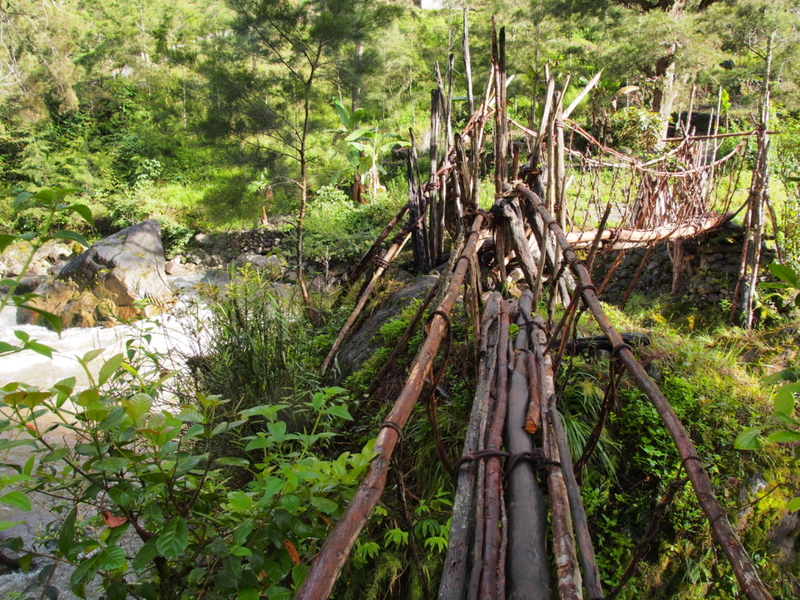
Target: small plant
51	202
636	128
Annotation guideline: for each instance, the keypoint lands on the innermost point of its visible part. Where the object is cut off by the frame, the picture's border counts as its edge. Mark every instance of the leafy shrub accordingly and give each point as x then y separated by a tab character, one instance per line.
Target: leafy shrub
147	466
337	229
636	128
259	351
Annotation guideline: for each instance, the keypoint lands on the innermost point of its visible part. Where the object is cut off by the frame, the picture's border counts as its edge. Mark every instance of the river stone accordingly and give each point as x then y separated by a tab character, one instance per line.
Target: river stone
126	267
361	346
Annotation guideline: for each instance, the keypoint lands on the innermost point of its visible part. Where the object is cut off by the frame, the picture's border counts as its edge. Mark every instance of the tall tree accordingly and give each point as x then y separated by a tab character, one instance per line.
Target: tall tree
290	47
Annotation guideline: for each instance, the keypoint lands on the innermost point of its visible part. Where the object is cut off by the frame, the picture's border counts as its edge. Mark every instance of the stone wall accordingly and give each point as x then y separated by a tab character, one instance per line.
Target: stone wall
711	267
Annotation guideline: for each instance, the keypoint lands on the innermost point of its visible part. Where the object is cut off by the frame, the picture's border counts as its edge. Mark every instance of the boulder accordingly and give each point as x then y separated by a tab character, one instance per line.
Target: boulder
126	267
109	281
364	343
14	258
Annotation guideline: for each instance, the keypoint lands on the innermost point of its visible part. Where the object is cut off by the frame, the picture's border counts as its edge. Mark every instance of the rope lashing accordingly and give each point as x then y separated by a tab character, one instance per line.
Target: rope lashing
392	425
380	262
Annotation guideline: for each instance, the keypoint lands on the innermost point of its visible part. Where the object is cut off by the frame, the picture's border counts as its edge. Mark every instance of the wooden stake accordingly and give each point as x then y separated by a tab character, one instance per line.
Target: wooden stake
527	564
455	573
387	257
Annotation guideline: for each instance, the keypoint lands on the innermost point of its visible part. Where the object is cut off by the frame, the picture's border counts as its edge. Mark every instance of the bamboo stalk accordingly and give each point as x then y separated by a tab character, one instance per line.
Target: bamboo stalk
336	549
591	573
568	575
510	210
467	63
365	260
433	180
416	209
494	478
526	564
723	533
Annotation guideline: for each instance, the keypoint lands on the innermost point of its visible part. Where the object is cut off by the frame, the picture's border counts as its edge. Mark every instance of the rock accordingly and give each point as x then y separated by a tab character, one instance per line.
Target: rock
56	267
29	283
118	272
126	267
361	346
176	266
705	288
204	240
273	266
13	259
54	298
251	258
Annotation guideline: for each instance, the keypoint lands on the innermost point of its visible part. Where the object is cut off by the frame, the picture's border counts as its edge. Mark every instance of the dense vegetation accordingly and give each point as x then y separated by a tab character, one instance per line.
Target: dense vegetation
203	114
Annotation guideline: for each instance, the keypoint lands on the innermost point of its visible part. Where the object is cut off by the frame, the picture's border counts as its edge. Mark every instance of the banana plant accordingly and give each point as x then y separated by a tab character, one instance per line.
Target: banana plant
365	149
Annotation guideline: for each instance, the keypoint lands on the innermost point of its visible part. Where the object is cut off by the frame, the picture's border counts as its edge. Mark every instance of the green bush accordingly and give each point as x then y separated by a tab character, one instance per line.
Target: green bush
337	229
636	128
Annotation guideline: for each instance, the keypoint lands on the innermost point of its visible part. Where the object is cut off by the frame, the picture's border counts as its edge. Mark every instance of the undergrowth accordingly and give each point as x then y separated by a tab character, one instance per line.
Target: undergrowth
714	392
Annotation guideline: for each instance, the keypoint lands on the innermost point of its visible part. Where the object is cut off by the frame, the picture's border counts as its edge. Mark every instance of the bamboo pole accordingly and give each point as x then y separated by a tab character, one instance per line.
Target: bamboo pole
401	343
387	258
501	123
494	478
455	573
636	238
416	209
467	63
365	260
591	572
433	180
509	209
723	533
336	549
526	564
568	575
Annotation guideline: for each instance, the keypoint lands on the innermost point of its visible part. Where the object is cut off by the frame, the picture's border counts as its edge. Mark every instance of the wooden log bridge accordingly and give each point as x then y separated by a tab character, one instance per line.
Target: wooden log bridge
499	534
519	529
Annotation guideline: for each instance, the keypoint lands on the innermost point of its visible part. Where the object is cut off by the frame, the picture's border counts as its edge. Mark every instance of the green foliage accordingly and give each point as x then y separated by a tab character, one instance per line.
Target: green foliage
259	351
336	229
147	464
50	202
787	168
636	128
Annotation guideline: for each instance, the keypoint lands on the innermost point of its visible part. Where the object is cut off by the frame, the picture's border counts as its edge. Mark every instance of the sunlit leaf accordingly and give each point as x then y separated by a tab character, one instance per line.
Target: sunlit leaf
173	539
748	439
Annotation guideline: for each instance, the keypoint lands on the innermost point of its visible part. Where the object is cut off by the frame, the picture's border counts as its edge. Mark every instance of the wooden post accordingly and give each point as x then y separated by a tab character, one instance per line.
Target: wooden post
336	549
455	573
467	63
591	573
500	119
494	478
568	575
509	209
387	257
433	180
